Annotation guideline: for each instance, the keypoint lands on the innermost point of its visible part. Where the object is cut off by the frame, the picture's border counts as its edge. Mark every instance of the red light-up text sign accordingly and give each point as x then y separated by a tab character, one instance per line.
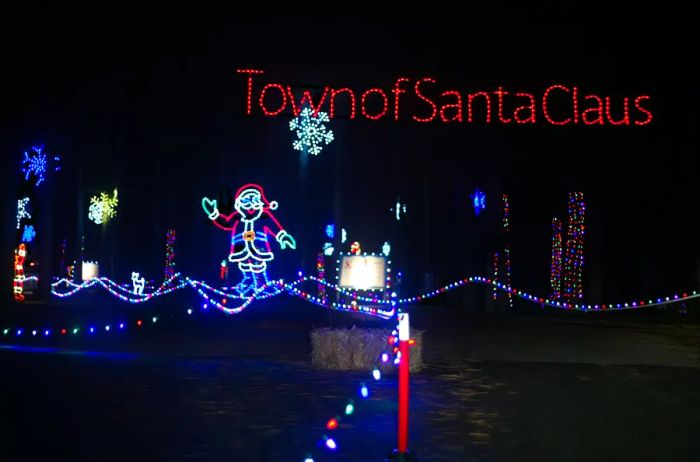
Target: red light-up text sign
428	102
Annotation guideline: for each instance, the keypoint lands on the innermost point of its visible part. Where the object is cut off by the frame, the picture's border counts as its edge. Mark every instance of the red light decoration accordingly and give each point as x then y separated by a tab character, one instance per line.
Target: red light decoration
306	96
249	96
139	323
626	111
596	111
18	281
385	103
262	99
352	101
500	93
397	91
470	98
457	105
426	99
638	100
545	109
532	118
332	424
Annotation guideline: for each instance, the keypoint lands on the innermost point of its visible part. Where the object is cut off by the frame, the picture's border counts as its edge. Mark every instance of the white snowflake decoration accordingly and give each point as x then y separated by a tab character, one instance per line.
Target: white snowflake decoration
311	132
22	211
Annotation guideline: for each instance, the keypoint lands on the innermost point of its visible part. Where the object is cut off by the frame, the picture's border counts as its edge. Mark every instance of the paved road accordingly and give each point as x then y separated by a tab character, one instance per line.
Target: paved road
494	389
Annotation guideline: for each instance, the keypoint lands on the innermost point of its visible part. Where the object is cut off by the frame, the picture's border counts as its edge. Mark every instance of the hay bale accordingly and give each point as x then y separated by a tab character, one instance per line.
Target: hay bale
358	349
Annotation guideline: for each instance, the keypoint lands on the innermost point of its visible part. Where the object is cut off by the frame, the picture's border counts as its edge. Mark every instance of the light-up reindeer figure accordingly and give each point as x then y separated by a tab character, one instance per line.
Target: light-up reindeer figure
138	283
250	247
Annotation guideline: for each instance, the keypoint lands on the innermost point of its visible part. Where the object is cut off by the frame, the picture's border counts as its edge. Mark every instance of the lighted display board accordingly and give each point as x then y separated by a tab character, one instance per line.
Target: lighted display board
363	272
90	270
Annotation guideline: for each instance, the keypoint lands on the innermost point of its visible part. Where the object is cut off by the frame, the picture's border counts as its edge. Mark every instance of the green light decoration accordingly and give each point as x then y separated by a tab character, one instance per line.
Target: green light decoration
349	408
103	207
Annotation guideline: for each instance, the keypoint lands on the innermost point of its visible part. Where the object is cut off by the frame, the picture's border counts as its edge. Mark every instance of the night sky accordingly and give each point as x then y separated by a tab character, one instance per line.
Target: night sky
150	102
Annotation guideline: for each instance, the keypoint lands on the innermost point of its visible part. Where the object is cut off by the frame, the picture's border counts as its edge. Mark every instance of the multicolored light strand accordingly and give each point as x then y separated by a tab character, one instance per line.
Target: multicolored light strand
373	305
506	212
495	274
501	260
573	256
557	254
170	237
390	351
91	329
321	274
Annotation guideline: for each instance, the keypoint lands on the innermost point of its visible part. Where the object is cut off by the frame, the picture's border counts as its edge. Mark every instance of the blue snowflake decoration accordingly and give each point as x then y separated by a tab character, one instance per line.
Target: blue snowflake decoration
28	233
479	201
311	132
35	164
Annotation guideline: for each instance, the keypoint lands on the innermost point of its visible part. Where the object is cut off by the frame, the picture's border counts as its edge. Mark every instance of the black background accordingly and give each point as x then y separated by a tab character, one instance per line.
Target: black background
147	99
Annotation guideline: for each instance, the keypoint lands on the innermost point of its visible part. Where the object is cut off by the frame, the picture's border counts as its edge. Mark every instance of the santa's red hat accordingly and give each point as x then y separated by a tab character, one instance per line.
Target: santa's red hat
257	190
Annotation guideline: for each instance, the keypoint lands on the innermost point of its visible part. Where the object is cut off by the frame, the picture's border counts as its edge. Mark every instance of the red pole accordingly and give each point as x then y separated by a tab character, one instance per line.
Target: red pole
403	396
404	337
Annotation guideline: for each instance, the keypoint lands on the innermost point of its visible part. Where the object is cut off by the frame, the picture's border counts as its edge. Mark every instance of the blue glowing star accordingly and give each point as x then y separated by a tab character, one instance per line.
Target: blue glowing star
28	233
479	201
311	131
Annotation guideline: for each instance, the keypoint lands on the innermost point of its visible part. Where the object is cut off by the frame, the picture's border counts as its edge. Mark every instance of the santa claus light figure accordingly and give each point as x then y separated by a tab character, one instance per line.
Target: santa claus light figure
250	247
